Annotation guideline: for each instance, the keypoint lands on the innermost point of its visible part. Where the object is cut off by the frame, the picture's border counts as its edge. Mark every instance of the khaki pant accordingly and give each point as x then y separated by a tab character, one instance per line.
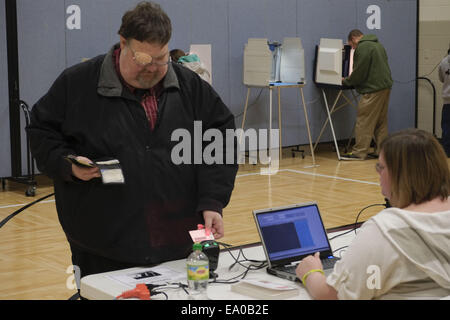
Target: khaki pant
371	121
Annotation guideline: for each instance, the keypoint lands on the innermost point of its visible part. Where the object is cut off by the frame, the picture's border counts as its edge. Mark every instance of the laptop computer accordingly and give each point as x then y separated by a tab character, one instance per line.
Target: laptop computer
289	234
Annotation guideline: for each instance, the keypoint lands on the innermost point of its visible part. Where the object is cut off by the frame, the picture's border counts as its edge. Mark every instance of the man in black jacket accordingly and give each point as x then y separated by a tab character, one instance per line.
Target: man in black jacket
125	105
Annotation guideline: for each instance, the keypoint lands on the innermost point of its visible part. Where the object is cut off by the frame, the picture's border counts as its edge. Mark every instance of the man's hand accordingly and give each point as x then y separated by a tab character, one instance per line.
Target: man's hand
213	223
85	174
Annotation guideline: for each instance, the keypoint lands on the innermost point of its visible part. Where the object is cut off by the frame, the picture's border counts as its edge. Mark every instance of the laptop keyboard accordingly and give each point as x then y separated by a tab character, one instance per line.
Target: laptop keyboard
291	268
327	264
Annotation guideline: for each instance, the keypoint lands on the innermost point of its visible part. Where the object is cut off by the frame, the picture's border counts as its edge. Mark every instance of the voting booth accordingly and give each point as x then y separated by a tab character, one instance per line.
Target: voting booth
53	35
268	62
275	66
333	61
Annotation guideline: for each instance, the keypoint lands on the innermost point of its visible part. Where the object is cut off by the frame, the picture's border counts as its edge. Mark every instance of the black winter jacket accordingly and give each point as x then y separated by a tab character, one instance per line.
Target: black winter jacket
88	112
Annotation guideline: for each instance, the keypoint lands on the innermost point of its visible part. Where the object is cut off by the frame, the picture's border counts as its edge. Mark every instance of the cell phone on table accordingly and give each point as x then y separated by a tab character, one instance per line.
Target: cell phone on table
79	162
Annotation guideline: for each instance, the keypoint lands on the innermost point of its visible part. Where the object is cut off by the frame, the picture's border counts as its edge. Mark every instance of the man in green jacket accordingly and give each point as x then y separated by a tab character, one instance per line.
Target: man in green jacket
371	77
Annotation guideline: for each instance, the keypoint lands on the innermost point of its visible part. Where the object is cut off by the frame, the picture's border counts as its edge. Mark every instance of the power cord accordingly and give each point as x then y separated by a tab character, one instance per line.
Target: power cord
250	105
263	263
147	291
386	205
254	265
339	249
15	213
142	291
419	77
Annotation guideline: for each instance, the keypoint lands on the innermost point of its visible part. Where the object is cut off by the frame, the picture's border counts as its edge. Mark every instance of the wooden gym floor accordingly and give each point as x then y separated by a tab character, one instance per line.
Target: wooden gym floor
35	256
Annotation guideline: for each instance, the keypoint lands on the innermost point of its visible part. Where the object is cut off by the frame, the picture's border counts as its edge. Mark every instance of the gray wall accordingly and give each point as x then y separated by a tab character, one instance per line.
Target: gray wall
5	146
46	47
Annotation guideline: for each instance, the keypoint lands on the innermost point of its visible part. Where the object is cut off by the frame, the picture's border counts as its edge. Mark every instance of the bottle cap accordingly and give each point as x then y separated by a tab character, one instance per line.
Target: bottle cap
197	246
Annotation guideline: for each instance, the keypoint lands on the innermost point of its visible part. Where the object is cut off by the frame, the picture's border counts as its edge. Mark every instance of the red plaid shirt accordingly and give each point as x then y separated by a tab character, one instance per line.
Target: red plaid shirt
149	100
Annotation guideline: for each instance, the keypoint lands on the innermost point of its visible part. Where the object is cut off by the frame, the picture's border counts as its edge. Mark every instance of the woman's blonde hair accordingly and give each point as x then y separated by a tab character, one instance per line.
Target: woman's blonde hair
417	167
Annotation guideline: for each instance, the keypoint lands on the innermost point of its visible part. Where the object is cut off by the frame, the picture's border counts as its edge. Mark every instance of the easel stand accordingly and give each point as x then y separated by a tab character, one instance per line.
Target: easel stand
278	86
335	108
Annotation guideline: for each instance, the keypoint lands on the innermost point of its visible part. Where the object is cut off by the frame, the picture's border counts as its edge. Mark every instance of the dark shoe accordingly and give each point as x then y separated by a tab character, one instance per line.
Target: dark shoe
372	155
350	157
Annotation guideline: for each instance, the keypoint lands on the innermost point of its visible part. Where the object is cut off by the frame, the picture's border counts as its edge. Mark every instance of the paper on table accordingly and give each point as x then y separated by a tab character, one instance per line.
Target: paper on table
261	289
155	275
270	285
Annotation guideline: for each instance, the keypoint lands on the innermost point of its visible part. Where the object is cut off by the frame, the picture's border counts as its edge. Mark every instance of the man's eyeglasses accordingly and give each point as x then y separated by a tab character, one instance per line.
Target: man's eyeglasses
144	60
379	167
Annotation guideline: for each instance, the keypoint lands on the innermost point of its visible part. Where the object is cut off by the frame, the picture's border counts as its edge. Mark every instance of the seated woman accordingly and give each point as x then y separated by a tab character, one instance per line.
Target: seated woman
403	252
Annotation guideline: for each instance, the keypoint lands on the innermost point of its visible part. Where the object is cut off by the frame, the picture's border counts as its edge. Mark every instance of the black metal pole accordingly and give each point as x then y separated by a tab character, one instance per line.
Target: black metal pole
13	85
416	109
434	102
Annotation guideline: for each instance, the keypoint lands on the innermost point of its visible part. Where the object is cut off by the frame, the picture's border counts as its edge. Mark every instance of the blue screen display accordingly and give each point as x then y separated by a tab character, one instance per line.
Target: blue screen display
292	232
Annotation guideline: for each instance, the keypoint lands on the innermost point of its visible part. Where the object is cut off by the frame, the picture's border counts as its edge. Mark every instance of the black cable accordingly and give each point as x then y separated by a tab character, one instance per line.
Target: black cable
339	249
251	267
15	213
250	105
76	296
155	293
419	77
351	230
179	284
426	75
356	221
236	259
434	101
372	205
243	274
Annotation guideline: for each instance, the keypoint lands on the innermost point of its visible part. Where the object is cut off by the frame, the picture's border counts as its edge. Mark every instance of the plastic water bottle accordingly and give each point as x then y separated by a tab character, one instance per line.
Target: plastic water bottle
197	273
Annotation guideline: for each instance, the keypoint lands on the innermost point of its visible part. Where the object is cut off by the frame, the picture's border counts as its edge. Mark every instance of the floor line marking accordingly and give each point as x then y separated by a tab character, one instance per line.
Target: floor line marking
313	174
246	175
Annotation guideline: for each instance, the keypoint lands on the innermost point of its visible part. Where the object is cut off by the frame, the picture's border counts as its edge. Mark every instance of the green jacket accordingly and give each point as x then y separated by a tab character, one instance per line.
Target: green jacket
371	72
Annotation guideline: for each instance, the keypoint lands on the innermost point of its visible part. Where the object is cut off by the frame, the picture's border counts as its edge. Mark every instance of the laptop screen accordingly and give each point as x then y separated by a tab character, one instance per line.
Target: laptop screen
292	232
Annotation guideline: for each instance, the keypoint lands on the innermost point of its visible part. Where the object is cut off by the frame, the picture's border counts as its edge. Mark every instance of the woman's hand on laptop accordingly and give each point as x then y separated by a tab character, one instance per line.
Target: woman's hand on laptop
315	280
307	264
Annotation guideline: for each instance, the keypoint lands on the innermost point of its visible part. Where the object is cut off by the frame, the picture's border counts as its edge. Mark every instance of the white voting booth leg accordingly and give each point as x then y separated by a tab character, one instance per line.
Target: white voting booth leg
273	167
273	161
329	120
244	117
245	109
330	112
273	158
307	126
